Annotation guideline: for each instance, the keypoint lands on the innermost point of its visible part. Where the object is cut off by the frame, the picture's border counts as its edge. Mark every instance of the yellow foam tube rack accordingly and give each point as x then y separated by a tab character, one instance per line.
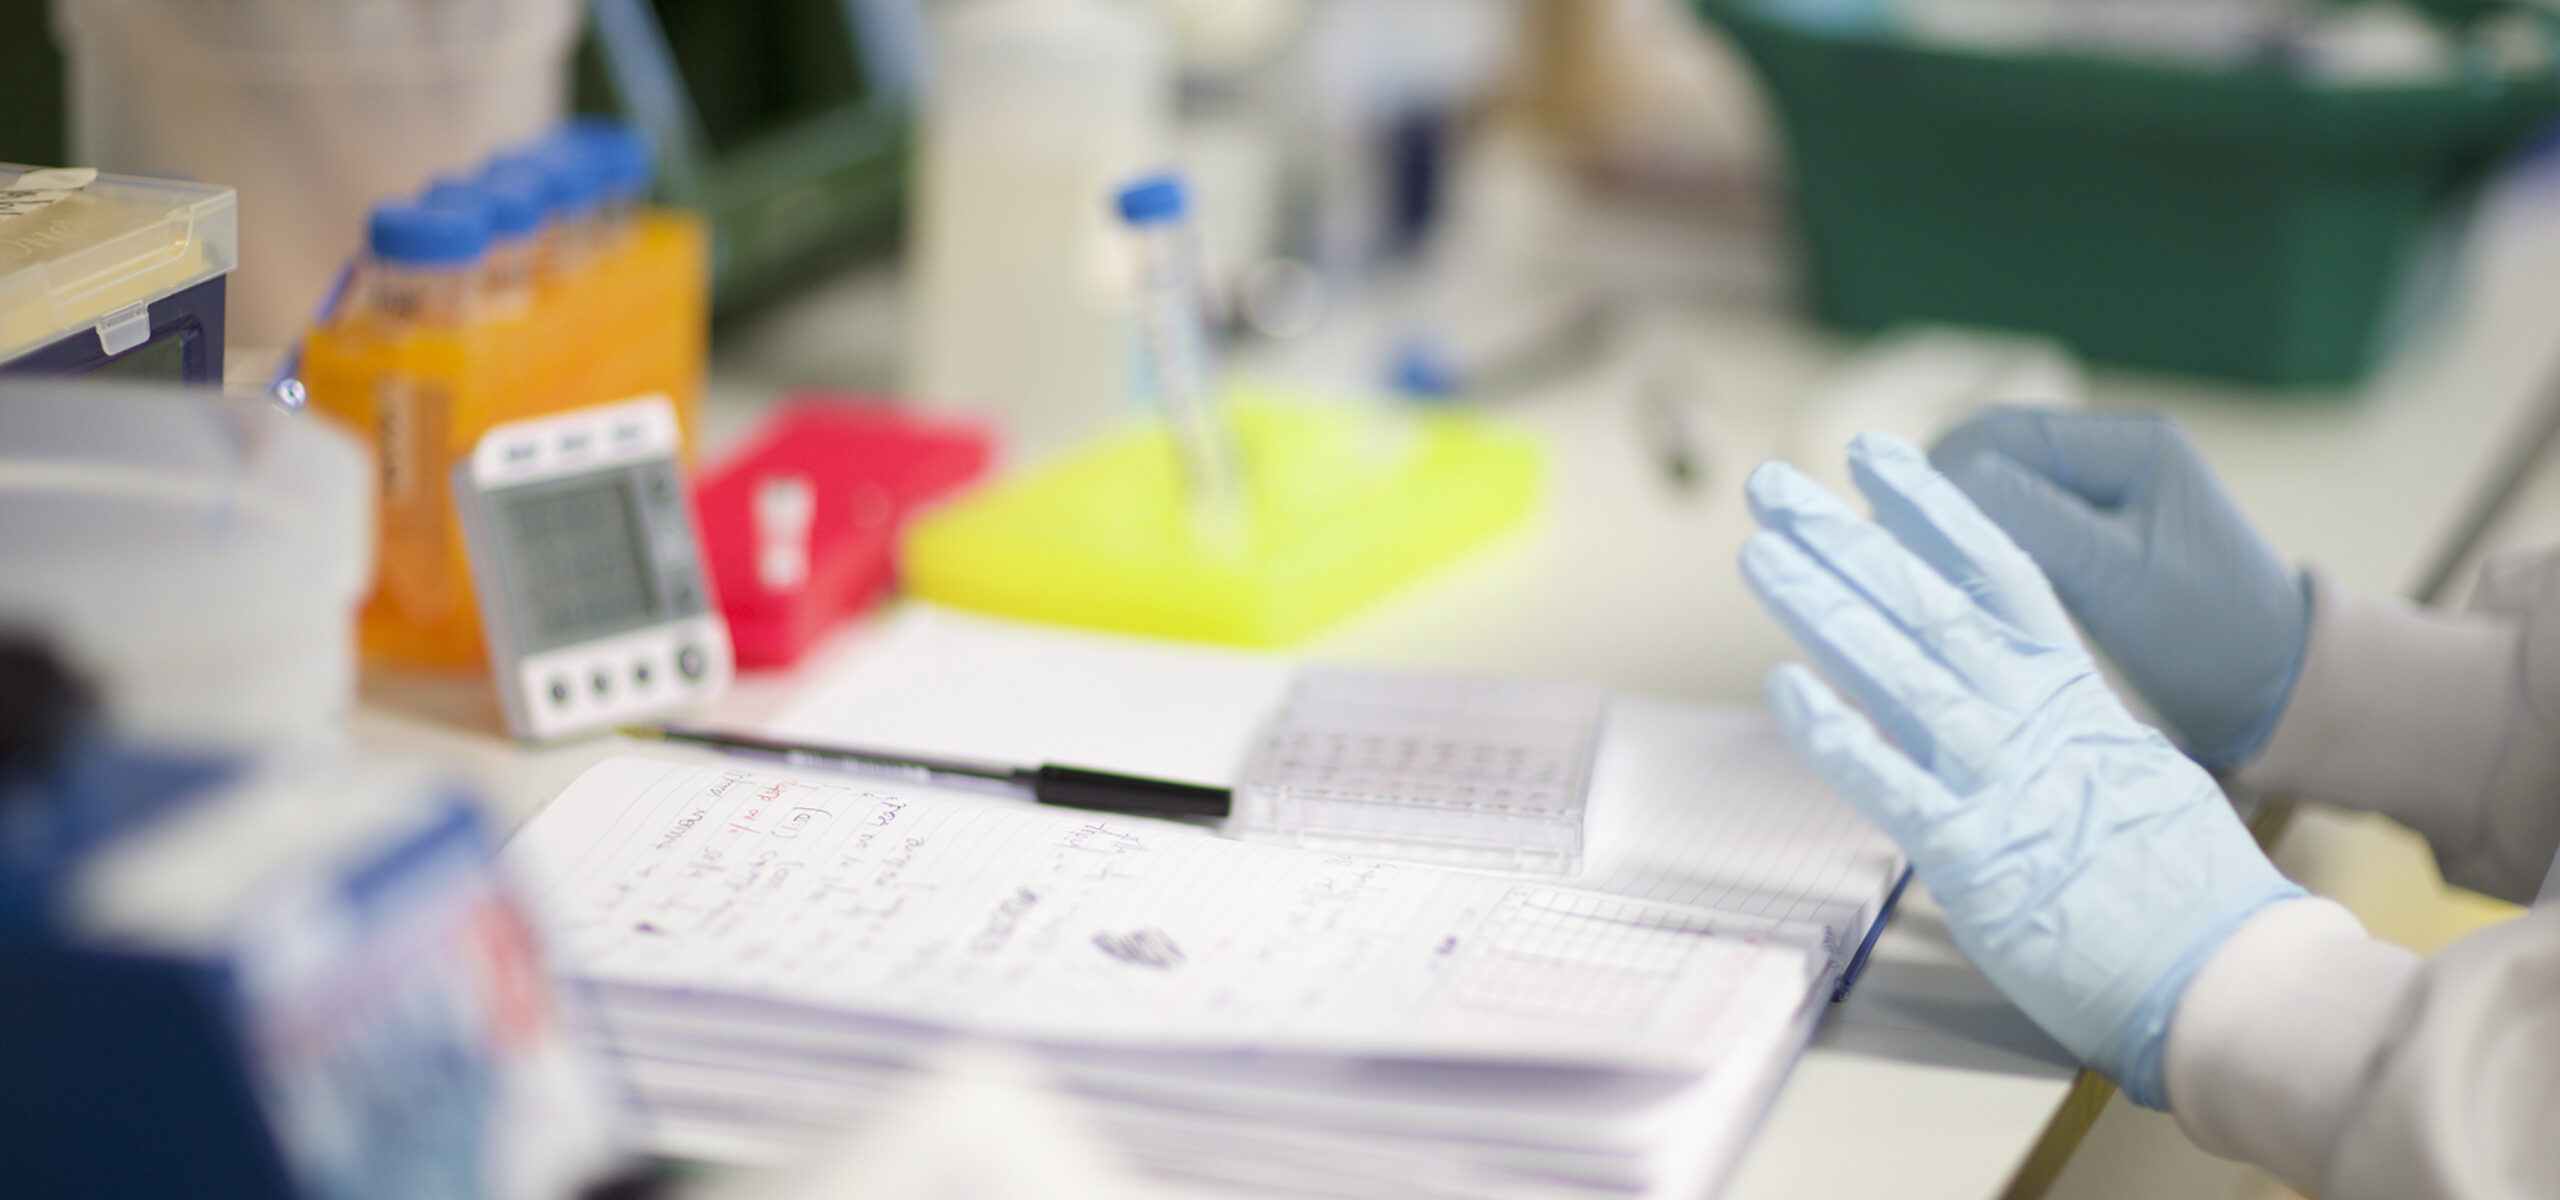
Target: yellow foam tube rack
1346	505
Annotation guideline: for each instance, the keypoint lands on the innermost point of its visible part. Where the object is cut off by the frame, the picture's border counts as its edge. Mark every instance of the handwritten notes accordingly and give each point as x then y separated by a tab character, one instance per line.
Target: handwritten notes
774	951
997	916
1689	806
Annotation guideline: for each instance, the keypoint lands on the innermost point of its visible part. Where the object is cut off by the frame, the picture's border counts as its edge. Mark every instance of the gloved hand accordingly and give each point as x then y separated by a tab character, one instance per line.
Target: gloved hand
2085	864
2141	542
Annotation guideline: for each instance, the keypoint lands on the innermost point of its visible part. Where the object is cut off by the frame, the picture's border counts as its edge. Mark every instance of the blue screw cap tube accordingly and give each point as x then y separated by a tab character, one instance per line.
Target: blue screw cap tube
519	196
520	222
515	220
1174	337
622	152
572	184
423	257
624	168
427	235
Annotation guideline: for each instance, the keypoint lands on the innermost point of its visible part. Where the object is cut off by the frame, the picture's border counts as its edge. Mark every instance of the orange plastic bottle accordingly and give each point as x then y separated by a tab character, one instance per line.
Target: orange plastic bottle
650	316
571	295
637	312
418	364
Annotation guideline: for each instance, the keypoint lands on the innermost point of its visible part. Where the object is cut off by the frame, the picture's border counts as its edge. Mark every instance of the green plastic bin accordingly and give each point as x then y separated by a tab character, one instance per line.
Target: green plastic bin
2243	223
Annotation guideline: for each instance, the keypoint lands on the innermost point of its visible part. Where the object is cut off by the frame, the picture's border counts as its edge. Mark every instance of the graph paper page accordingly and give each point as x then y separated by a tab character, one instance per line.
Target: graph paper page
1020	921
1711	807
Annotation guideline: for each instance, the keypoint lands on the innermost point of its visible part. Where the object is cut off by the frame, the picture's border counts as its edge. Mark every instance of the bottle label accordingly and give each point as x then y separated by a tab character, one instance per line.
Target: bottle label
412	427
410	416
399	301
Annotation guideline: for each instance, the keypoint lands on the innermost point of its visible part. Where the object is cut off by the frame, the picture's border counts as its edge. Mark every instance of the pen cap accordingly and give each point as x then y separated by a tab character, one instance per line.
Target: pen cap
1075	787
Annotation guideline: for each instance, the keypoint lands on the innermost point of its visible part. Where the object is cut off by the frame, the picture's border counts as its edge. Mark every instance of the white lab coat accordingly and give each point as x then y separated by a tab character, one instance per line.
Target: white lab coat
2350	1068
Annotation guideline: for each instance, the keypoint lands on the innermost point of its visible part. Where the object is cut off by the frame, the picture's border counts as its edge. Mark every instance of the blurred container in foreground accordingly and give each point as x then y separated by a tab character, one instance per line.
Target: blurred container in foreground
112	273
2253	217
1041	109
198	558
313	111
277	977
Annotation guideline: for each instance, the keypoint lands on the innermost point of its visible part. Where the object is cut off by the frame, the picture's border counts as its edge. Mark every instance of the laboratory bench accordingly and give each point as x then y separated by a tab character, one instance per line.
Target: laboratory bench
1925	1082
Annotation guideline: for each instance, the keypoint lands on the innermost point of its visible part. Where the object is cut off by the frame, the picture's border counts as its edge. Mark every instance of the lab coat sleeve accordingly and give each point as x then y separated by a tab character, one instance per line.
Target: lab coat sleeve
2448	722
2350	1069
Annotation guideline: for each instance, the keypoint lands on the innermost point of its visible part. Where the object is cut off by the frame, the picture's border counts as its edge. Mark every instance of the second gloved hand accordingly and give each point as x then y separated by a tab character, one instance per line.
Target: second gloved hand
2122	514
2088	867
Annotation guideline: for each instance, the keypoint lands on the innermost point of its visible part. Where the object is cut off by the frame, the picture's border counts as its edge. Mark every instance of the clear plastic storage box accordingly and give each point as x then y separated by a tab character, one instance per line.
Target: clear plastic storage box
1483	773
101	270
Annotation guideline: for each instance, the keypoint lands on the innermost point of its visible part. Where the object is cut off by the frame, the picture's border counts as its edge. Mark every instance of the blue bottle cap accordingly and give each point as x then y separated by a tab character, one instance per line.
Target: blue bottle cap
456	193
580	161
427	234
576	165
1154	200
519	197
628	164
570	180
513	202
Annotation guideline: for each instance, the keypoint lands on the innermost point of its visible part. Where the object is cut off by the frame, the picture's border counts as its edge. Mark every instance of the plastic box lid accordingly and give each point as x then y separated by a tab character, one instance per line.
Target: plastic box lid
81	250
1486	773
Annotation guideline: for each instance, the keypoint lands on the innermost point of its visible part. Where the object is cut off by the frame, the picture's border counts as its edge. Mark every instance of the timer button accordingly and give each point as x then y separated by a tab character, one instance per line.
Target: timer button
641	674
690	662
560	691
602	681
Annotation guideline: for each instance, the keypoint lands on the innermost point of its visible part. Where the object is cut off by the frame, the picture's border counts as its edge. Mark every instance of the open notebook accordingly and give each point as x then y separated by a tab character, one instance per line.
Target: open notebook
773	950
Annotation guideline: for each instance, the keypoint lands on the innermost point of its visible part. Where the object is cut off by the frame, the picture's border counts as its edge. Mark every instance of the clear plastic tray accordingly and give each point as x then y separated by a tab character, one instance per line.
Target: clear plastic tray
1434	768
101	252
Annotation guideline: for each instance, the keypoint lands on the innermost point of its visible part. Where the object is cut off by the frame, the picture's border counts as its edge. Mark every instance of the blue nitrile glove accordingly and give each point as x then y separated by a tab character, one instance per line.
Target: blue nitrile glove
2141	542
2085	864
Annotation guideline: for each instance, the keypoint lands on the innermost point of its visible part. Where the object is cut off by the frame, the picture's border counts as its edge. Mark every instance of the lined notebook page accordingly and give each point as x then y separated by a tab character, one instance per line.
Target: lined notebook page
1022	921
1690	805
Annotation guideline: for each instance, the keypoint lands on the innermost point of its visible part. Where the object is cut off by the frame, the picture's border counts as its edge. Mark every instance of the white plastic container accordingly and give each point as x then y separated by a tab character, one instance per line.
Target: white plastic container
1040	110
198	560
314	110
